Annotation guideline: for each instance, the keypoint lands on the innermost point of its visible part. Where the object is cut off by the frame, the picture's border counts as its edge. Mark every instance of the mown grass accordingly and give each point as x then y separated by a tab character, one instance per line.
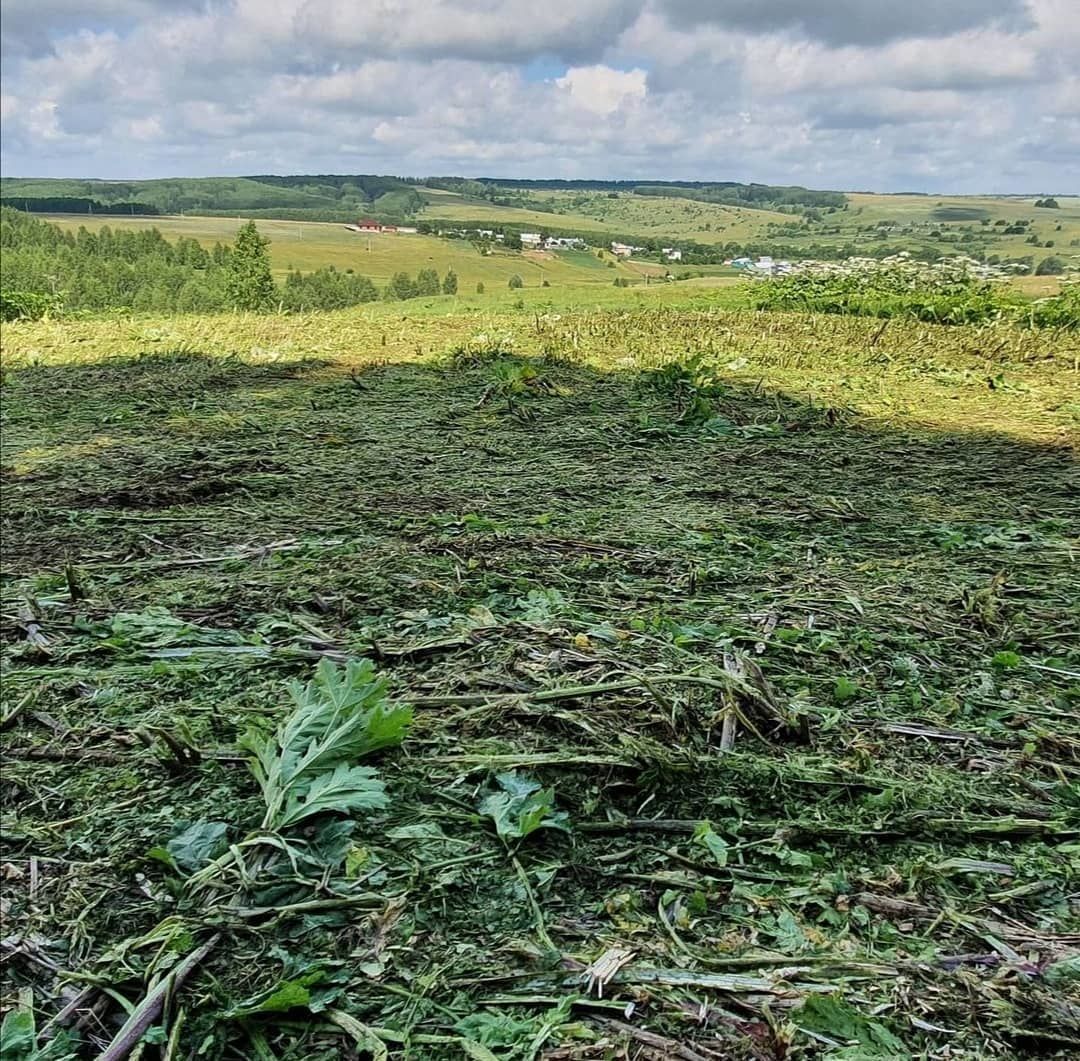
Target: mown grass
855	567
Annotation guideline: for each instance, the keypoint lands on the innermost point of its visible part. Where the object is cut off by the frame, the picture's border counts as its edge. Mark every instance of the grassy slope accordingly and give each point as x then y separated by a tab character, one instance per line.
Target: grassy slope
627	214
219	193
873	526
869	209
684	219
308	245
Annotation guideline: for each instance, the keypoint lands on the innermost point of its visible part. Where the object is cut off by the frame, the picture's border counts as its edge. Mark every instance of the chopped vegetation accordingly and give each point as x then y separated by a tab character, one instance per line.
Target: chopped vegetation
721	705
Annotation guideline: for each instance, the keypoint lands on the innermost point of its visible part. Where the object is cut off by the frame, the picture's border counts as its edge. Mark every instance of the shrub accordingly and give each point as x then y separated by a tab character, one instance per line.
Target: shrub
516	282
1052	265
950	291
26	305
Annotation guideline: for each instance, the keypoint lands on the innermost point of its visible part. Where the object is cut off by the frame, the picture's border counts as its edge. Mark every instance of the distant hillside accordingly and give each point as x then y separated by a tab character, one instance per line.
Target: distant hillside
341	197
323	198
729	193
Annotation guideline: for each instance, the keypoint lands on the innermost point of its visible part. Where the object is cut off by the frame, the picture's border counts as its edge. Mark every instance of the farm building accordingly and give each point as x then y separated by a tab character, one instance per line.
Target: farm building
622	250
531	239
368	225
673	254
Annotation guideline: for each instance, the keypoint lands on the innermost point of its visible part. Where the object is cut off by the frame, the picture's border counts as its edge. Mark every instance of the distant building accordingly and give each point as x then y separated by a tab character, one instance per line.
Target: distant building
531	239
622	250
389	228
673	254
564	243
404	230
368	225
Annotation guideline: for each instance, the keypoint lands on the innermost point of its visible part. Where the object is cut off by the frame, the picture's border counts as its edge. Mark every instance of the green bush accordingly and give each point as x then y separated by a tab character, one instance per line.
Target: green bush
1052	265
951	291
27	306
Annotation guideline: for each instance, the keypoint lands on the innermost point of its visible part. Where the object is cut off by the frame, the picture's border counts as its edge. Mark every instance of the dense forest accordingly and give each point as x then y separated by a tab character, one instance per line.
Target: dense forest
47	270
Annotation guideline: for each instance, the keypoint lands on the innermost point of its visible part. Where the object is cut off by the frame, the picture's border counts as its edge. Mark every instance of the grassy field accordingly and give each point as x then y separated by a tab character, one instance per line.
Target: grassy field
307	245
918	221
779	609
577	276
925	211
597	212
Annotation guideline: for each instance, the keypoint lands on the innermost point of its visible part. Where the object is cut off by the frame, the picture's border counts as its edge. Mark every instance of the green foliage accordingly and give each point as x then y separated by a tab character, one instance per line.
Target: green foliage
326	289
1051	265
1006	660
312	986
198	844
694	386
481	349
1059	311
18	1038
306	768
450	283
18	1034
515	282
249	284
859	1036
427	282
947	292
712	842
27	306
480	287
401	286
521	807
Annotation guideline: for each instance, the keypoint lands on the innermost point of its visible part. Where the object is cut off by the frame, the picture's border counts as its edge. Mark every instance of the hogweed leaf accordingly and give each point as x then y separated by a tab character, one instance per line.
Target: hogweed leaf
340	791
522	807
306	767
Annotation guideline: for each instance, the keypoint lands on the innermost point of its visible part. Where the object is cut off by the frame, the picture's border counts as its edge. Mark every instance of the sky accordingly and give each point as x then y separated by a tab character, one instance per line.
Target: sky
962	96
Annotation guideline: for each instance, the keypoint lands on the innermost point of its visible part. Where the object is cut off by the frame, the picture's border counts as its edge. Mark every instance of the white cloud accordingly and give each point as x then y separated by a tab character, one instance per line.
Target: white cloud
942	94
602	90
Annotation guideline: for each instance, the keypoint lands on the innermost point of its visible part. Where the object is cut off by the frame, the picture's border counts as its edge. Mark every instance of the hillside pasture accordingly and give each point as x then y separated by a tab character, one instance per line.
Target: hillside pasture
307	245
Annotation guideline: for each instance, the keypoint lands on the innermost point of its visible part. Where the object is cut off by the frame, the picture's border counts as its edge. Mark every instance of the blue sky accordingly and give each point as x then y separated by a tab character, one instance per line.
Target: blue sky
928	95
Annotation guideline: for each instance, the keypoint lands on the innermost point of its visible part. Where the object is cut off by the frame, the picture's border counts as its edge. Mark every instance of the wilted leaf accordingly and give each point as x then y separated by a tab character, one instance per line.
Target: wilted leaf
198	844
830	1015
712	842
522	807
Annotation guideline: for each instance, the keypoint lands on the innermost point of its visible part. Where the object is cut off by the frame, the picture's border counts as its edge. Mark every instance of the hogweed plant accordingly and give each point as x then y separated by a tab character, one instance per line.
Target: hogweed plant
308	774
306	767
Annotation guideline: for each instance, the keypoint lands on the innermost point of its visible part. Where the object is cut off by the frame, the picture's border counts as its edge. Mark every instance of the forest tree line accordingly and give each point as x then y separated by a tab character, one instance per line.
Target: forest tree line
48	269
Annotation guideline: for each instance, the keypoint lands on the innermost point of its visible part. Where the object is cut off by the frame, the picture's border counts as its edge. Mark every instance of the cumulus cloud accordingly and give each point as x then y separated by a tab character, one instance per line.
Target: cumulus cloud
856	93
850	21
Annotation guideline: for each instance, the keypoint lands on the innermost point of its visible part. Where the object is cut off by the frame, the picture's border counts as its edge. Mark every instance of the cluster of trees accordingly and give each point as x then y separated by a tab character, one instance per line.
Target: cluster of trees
110	269
72	204
49	270
426	282
1048	204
